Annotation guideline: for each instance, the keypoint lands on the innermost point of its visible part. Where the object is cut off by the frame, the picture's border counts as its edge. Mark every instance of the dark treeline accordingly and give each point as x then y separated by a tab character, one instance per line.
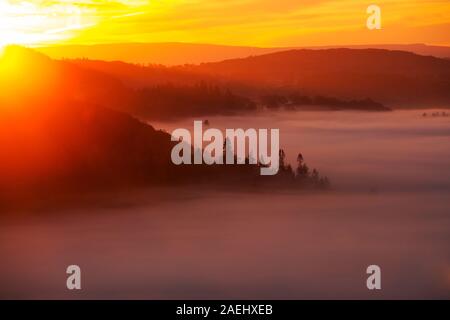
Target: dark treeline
171	101
248	175
165	101
298	101
301	175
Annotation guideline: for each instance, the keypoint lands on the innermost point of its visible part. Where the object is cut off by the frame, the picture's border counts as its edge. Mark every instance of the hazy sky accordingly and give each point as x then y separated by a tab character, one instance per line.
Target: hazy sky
236	22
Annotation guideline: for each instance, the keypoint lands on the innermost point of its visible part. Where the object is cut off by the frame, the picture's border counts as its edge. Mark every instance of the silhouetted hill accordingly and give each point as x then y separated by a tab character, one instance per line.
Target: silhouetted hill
185	91
52	139
393	77
28	75
31	76
80	146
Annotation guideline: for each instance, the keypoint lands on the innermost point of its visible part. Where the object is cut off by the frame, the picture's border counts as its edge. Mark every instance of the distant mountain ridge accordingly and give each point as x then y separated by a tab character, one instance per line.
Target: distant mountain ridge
394	78
417	48
340	77
169	54
391	77
191	53
398	78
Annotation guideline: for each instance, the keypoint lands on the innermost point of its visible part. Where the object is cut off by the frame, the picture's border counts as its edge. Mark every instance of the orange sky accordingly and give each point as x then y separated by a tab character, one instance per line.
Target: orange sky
232	22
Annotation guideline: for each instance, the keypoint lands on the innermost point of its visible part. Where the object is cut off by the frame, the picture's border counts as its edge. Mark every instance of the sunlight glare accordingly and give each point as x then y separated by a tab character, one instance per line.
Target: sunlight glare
36	23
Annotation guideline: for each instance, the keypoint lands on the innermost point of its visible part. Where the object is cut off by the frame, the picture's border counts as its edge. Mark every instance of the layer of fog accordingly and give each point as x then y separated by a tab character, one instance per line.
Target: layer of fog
399	150
189	244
